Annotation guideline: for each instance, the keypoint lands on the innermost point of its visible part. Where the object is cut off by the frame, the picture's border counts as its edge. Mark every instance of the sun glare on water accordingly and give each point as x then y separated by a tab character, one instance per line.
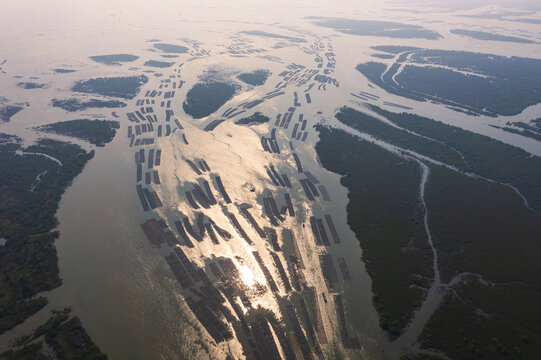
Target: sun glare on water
247	275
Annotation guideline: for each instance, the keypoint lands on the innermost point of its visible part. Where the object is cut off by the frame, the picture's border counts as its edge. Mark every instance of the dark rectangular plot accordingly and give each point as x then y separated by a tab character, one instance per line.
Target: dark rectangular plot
223	233
221	189
294	133
137	129
309	325
159	131
194	168
213	124
273	239
190	199
158	158
200	197
239	229
306	189
190	230
139	172
183	234
156	177
156	198
150	158
149	109
138	113
144	128
138	102
314	303
147	178
324	192
344	269
269	212
253	222
339	306
312	178
303	127
137	142
201	166
277	123
178	124
311	186
142	110
272	177
291	210
322	232
274	208
207	168
274	146
281	271
299	335
168	103
150	198
328	270
286	180
184	138
216	329
332	228
266	272
212	234
304	136
130	131
167	130
315	230
308	98
297	162
264	144
142	198
284	119
187	263
289	117
132	117
210	195
299	134
180	273
273	134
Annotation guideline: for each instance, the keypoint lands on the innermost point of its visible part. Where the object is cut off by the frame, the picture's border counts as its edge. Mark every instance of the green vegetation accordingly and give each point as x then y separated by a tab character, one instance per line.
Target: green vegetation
205	98
97	132
377	128
254	78
74	104
170	48
158	64
483	228
114	59
482	35
385	214
395	49
31	85
122	87
486	238
485	156
31	188
375	28
66	338
8	110
496	85
256	118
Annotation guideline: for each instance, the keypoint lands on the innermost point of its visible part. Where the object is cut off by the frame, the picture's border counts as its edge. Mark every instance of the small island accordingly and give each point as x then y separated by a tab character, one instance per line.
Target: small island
171	48
254	78
158	64
122	87
114	59
96	132
205	98
255	119
74	104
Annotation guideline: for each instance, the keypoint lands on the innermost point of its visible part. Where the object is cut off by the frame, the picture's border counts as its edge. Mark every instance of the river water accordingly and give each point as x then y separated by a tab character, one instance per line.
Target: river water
120	286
